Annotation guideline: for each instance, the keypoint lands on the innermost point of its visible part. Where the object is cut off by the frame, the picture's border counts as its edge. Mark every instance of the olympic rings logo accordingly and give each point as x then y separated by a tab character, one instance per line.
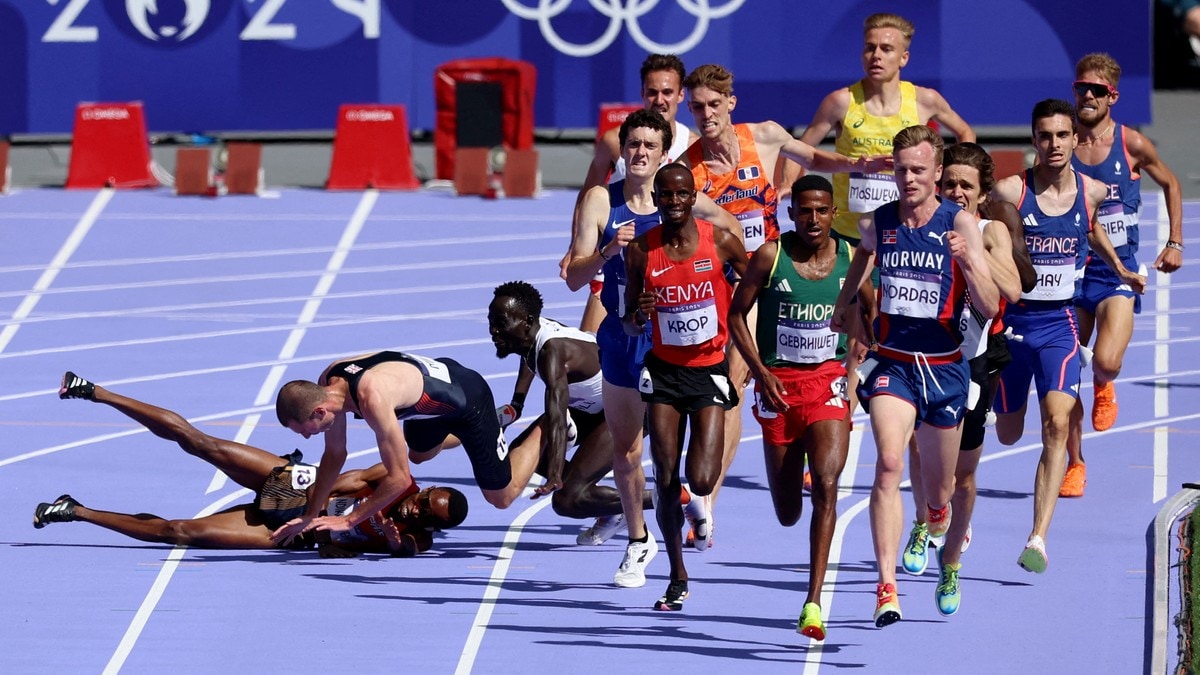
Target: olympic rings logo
621	13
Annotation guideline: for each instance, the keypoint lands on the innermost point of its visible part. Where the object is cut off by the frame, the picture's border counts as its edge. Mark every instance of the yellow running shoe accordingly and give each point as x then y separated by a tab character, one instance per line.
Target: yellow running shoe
810	624
1074	481
1104	407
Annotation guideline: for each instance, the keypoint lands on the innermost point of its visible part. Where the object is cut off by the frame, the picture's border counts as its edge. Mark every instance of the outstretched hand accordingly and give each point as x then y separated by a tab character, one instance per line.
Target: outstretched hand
290	530
551	484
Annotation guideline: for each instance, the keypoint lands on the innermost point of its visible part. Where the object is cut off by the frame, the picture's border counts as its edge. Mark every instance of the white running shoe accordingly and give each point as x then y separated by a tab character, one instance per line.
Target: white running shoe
699	520
632	572
601	531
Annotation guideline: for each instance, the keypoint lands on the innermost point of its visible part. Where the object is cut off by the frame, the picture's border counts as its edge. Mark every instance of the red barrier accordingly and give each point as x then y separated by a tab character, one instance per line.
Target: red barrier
193	172
613	114
371	149
110	147
5	169
517	80
243	168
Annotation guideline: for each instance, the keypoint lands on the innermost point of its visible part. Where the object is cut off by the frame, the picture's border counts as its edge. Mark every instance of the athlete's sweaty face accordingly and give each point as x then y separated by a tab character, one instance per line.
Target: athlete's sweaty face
429	508
884	54
711	111
960	184
674	194
508	326
1054	140
662	91
917	173
643	152
1089	108
813	212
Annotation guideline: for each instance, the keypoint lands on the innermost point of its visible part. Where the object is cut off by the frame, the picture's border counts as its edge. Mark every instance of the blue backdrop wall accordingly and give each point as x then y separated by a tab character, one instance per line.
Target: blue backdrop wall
280	65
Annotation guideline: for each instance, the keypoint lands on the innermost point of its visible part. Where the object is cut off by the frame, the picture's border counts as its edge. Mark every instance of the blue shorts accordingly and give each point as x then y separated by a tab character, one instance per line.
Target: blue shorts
621	356
938	392
1047	354
1101	283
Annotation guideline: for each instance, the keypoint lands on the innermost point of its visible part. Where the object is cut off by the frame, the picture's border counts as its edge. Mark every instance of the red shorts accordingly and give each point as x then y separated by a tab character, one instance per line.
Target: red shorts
813	395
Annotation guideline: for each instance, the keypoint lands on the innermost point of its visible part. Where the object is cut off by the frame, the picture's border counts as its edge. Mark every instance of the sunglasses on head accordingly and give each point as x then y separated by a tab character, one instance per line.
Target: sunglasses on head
1098	89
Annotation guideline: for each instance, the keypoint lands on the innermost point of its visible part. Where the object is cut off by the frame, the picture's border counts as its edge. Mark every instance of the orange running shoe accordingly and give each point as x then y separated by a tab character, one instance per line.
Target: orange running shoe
1074	482
887	605
807	482
1104	407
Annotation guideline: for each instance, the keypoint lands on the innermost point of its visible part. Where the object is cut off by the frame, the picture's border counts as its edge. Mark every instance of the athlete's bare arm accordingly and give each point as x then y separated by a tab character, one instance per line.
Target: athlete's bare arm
1146	159
998	245
828	117
730	248
639	303
1008	214
706	209
934	106
1008	189
585	261
864	259
1098	240
744	296
966	246
552	363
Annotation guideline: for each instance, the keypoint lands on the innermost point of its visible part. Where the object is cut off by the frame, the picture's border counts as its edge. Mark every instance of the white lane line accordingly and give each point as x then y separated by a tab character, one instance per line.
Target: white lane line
439	265
466	661
164	578
1162	335
150	602
190	310
816	648
477	314
56	265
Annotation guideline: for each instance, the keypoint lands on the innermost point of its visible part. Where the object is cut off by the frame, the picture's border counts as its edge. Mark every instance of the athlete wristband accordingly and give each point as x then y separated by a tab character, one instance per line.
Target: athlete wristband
1178	246
603	257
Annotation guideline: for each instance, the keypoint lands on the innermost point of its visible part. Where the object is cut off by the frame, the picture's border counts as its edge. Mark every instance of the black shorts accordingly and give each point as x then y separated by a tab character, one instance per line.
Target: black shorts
476	426
687	388
279	500
984	369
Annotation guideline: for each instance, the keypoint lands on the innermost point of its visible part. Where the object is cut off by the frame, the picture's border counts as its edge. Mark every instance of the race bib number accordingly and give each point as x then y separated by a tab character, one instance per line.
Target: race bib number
436	369
911	294
840	388
805	342
1055	280
754	228
761	409
687	325
341	506
303	475
869	191
587	405
1115	222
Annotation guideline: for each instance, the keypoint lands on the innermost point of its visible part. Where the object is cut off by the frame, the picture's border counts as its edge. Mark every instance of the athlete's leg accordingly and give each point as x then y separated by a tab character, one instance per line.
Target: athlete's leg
1114	328
245	465
939	455
580	496
666	449
963	504
739	376
593	313
1056	411
624	412
892	420
828	443
239	527
703	466
914	478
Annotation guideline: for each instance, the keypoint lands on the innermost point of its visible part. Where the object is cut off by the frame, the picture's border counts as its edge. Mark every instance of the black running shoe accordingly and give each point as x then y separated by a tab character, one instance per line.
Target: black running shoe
672	600
74	386
61	511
